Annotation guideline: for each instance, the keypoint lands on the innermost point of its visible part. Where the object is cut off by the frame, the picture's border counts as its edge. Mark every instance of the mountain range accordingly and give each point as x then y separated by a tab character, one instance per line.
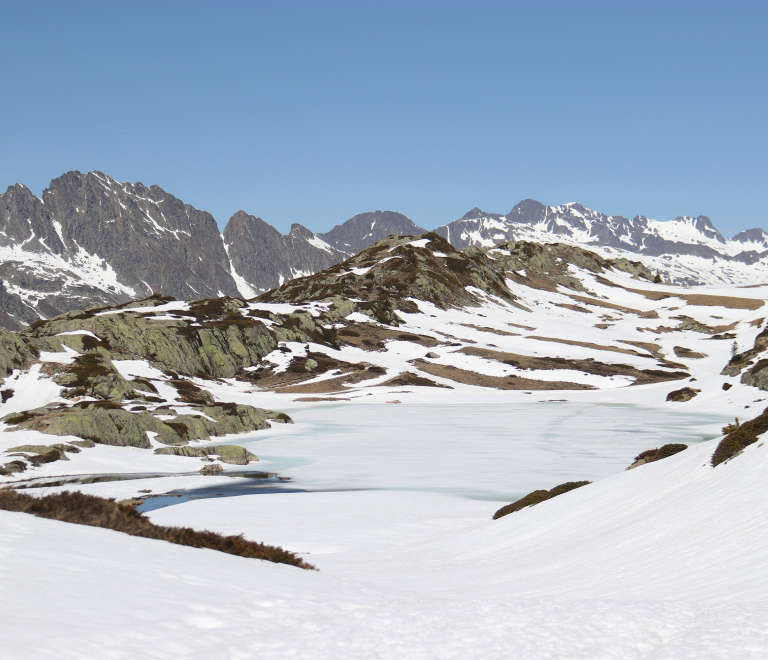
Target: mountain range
90	239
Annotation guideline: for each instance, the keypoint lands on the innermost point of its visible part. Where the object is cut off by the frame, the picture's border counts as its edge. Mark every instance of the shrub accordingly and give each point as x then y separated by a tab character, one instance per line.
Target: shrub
739	438
538	496
82	509
651	455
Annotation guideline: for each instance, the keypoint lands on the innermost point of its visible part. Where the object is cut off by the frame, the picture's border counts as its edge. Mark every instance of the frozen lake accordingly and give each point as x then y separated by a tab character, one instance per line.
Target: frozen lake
497	451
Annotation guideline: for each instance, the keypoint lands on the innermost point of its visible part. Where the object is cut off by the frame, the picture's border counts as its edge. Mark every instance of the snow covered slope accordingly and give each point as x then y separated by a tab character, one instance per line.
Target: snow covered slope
428	386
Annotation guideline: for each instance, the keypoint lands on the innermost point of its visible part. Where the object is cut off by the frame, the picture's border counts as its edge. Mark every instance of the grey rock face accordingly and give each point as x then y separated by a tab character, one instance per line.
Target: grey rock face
264	258
367	228
91	240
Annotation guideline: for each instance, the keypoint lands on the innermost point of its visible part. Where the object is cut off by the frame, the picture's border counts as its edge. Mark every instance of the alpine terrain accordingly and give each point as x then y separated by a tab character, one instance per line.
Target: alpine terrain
92	240
368	444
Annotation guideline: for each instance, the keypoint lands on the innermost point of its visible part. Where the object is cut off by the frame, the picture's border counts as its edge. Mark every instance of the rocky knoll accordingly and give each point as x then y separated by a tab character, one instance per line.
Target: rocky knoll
750	365
204	339
546	265
394	271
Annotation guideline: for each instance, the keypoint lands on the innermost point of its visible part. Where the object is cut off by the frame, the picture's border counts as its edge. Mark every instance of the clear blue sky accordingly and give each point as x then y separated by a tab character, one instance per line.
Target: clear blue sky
312	112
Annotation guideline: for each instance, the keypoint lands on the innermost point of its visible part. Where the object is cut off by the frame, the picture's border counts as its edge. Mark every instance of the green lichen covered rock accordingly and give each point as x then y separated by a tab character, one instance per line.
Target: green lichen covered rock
14	352
213	338
109	424
233	454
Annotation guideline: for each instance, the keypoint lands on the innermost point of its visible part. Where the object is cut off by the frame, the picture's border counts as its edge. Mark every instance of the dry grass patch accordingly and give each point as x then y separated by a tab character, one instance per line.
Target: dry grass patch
82	509
495	331
741	437
538	496
468	377
588	344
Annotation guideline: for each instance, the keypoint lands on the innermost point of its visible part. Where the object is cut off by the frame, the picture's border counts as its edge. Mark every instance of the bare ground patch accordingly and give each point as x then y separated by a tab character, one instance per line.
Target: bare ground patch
704	299
370	337
641	376
468	377
495	331
588	344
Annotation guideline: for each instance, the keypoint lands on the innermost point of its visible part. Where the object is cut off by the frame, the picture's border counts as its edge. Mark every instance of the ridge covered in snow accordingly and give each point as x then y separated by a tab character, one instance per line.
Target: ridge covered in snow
685	250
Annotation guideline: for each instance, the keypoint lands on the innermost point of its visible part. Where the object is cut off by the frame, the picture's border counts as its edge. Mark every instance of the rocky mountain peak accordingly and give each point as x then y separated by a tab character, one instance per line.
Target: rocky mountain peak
366	228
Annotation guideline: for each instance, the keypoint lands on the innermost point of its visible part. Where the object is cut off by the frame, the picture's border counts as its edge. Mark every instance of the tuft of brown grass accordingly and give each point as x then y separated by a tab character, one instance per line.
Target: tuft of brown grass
651	455
82	509
741	437
538	496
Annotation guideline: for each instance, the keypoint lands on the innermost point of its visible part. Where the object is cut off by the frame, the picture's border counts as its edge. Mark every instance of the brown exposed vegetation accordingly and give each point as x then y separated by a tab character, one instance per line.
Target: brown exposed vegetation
407	378
82	509
538	496
682	395
741	437
468	377
651	455
683	352
641	376
703	300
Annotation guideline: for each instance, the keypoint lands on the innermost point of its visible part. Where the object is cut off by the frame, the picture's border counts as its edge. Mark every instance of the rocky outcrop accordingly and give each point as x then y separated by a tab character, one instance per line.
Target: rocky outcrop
212	338
109	424
14	352
754	371
547	266
393	272
739	438
232	454
682	395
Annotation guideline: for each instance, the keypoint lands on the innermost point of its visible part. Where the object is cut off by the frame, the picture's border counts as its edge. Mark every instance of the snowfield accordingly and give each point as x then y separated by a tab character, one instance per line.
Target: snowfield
390	491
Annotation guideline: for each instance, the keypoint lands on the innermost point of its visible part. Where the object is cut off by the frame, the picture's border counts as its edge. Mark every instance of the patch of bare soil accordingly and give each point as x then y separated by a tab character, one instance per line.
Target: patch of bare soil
757	322
298	371
653	349
372	337
500	383
409	379
330	384
603	326
597	302
310	399
683	352
658	330
495	331
588	344
641	376
574	308
532	280
447	336
524	327
704	300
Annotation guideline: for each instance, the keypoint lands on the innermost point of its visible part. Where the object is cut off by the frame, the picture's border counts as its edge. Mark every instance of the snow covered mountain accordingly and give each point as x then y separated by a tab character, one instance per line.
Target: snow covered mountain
93	240
685	250
366	228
